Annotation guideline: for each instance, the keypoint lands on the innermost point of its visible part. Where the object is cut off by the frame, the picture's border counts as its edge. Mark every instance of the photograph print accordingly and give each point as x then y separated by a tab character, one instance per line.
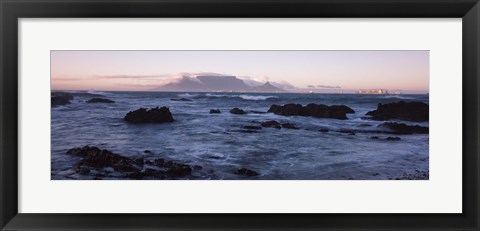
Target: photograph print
239	115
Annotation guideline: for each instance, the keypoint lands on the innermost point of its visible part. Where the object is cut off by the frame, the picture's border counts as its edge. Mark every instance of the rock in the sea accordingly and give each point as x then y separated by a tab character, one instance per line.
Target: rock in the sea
409	111
400	128
289	126
271	124
215	111
154	115
59	100
94	158
65	95
256	112
314	110
374	137
237	111
100	100
323	130
173	169
246	172
98	158
252	127
390	138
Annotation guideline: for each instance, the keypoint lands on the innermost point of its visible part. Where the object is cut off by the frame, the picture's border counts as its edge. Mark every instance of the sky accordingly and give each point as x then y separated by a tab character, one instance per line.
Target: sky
339	71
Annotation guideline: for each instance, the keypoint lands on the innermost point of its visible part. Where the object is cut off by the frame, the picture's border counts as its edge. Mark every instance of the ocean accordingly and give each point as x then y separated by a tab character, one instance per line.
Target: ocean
218	143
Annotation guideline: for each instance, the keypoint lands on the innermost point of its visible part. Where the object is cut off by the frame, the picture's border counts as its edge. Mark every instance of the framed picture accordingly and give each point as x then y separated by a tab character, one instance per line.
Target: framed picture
256	115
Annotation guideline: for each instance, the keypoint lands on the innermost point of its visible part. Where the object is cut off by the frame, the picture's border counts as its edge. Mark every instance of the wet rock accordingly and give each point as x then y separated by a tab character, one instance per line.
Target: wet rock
313	110
64	95
390	138
100	100
365	125
147	152
174	169
400	128
139	161
237	111
271	124
323	130
246	172
75	94
252	127
59	100
154	115
181	99
215	111
374	137
97	158
411	111
257	112
289	126
349	132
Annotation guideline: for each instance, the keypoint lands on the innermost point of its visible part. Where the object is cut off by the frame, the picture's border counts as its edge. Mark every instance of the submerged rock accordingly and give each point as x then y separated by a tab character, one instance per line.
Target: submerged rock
64	95
400	128
215	111
154	115
252	127
271	124
100	100
245	172
289	126
393	138
411	111
237	111
59	100
313	110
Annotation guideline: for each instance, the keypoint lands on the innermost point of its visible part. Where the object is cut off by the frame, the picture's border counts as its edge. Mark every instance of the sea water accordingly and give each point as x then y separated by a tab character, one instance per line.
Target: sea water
217	144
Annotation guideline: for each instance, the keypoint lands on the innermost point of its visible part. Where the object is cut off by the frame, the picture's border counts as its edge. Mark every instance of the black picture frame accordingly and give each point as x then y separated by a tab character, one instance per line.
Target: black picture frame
12	10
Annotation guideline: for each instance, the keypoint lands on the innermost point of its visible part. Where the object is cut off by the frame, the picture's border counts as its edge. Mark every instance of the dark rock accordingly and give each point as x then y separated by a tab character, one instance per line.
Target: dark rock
400	128
59	100
257	112
75	94
289	126
365	125
246	172
237	111
100	100
393	138
252	127
314	110
182	99
374	137
215	111
174	169
271	124
147	152
98	158
64	95
154	115
349	132
139	161
323	130
246	131
411	111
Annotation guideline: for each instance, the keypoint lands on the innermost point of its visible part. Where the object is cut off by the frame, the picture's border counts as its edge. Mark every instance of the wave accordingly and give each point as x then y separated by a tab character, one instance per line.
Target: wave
244	97
187	95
